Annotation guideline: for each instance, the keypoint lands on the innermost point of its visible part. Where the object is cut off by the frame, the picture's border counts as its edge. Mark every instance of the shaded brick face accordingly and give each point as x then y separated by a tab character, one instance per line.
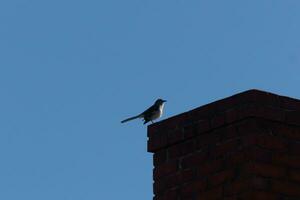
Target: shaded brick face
243	147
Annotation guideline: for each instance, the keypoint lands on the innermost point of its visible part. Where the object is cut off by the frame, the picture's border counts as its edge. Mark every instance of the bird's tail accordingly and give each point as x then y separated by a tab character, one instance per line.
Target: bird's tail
132	118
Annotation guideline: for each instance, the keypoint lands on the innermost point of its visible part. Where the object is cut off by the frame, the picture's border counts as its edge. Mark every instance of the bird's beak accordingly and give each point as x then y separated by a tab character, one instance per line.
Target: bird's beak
164	100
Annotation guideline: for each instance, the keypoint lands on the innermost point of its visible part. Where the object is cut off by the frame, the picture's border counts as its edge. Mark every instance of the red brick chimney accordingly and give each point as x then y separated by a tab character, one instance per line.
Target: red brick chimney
246	146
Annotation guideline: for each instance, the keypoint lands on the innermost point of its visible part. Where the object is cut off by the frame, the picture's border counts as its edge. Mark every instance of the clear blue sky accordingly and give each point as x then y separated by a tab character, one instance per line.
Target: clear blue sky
70	71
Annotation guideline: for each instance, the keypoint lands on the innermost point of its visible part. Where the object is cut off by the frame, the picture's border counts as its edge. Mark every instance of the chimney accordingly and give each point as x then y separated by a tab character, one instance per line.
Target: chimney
246	146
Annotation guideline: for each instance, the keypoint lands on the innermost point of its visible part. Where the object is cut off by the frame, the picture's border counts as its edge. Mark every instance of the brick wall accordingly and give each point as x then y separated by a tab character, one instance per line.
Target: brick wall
246	146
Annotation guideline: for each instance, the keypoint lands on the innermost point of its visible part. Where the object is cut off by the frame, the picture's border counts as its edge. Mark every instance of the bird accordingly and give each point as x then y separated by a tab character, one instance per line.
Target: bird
152	113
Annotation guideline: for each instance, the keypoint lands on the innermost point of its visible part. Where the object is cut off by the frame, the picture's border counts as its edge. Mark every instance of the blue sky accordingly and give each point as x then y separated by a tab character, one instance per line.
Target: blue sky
70	71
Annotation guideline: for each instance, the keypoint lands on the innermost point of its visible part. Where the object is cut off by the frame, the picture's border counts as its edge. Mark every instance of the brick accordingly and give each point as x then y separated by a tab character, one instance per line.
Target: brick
293	117
231	115
260	183
249	140
294	147
171	194
207	139
181	149
156	142
165	169
224	148
247	195
294	174
202	126
264	195
236	187
248	126
174	152
256	110
172	180
159	186
265	170
156	197
247	110
221	177
284	197
187	175
169	125
230	132
285	188
189	131
258	154
175	136
289	132
175	122
217	121
235	159
269	99
272	143
231	198
289	103
188	147
270	113
247	96
261	97
225	104
160	157
152	129
212	194
193	160
286	160
196	128
209	167
193	187
203	112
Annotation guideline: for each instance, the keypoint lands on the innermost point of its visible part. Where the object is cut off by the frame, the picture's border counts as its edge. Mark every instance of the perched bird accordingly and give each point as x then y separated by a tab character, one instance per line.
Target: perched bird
152	113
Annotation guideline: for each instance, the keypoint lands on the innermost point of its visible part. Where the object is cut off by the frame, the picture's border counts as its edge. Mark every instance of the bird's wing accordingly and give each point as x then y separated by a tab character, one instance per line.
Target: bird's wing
152	109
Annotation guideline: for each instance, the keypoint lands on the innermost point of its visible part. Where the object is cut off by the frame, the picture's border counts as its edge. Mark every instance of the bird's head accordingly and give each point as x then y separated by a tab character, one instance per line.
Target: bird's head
160	101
